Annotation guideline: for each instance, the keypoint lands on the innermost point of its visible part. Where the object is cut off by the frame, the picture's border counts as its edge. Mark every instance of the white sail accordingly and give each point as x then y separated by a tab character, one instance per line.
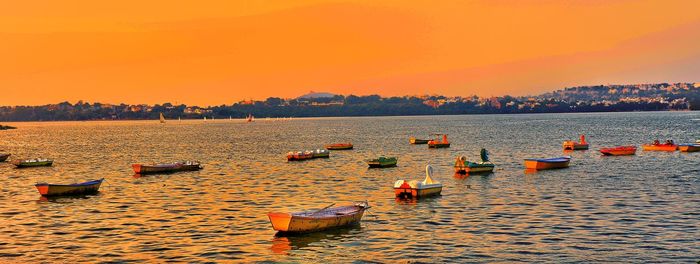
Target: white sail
162	118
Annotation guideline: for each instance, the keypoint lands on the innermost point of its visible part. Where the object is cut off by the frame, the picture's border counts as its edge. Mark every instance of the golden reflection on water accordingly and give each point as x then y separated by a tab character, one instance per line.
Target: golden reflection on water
577	214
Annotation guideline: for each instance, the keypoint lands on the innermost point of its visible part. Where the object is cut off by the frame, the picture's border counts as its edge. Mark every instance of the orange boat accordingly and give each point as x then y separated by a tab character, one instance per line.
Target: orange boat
546	164
437	143
318	220
339	146
656	146
619	151
689	147
571	145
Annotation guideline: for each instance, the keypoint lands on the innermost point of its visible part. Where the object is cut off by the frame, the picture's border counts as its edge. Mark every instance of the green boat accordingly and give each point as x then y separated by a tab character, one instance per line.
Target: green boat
463	166
26	163
382	162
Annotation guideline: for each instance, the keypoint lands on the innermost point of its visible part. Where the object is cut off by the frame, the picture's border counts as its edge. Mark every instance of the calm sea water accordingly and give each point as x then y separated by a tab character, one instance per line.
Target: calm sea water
643	208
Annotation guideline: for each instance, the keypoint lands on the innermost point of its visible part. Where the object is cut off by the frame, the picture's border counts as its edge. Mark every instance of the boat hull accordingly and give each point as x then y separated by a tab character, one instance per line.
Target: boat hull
299	157
438	145
3	157
619	151
48	190
546	164
474	169
689	148
381	165
149	169
575	146
33	164
660	147
416	141
289	223
404	192
339	147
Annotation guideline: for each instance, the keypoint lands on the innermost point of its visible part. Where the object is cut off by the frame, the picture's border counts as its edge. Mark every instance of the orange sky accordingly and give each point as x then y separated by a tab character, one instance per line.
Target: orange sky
211	52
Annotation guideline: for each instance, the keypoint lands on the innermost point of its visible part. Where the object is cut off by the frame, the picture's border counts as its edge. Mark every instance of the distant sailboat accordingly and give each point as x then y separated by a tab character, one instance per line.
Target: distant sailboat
205	119
162	118
250	118
179	119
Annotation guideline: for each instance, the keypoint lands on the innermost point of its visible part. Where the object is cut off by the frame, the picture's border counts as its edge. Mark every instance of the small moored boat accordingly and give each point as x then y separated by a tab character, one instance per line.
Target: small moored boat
321	153
439	143
689	147
619	151
318	220
418	189
546	164
4	156
89	187
572	145
339	146
416	141
167	167
38	162
300	155
382	162
657	146
463	166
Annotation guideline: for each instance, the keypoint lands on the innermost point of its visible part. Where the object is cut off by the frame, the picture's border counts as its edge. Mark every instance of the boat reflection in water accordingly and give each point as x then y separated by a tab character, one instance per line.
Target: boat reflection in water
284	243
65	199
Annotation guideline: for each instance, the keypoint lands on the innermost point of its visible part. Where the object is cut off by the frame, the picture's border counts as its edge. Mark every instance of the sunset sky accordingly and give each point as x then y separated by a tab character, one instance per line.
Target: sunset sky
212	52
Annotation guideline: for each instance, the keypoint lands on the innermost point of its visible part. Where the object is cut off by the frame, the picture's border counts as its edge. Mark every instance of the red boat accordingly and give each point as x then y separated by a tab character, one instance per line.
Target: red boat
619	151
299	155
166	168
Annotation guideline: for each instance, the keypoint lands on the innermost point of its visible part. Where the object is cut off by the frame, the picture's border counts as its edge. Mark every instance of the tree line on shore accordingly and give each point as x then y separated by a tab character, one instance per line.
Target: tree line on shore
351	105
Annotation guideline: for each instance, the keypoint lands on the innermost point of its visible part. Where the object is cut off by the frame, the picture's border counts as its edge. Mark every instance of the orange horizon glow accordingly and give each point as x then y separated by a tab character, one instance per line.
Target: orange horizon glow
215	52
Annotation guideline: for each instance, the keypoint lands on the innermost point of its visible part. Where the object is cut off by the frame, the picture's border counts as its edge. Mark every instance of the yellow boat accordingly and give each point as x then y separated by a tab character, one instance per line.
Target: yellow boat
318	220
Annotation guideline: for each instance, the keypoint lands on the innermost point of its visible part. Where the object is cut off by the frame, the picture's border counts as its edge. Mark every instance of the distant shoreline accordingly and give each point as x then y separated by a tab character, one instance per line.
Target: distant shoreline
345	116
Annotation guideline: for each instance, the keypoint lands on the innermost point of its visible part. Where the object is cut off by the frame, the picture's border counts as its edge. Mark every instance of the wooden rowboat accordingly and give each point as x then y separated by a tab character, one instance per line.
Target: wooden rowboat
339	146
689	147
439	143
382	162
546	164
300	155
462	166
166	167
27	163
572	145
4	156
89	187
318	220
417	189
416	141
619	151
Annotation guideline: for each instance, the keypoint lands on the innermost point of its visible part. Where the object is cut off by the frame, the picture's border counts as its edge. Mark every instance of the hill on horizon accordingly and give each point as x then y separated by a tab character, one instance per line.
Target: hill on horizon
313	94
